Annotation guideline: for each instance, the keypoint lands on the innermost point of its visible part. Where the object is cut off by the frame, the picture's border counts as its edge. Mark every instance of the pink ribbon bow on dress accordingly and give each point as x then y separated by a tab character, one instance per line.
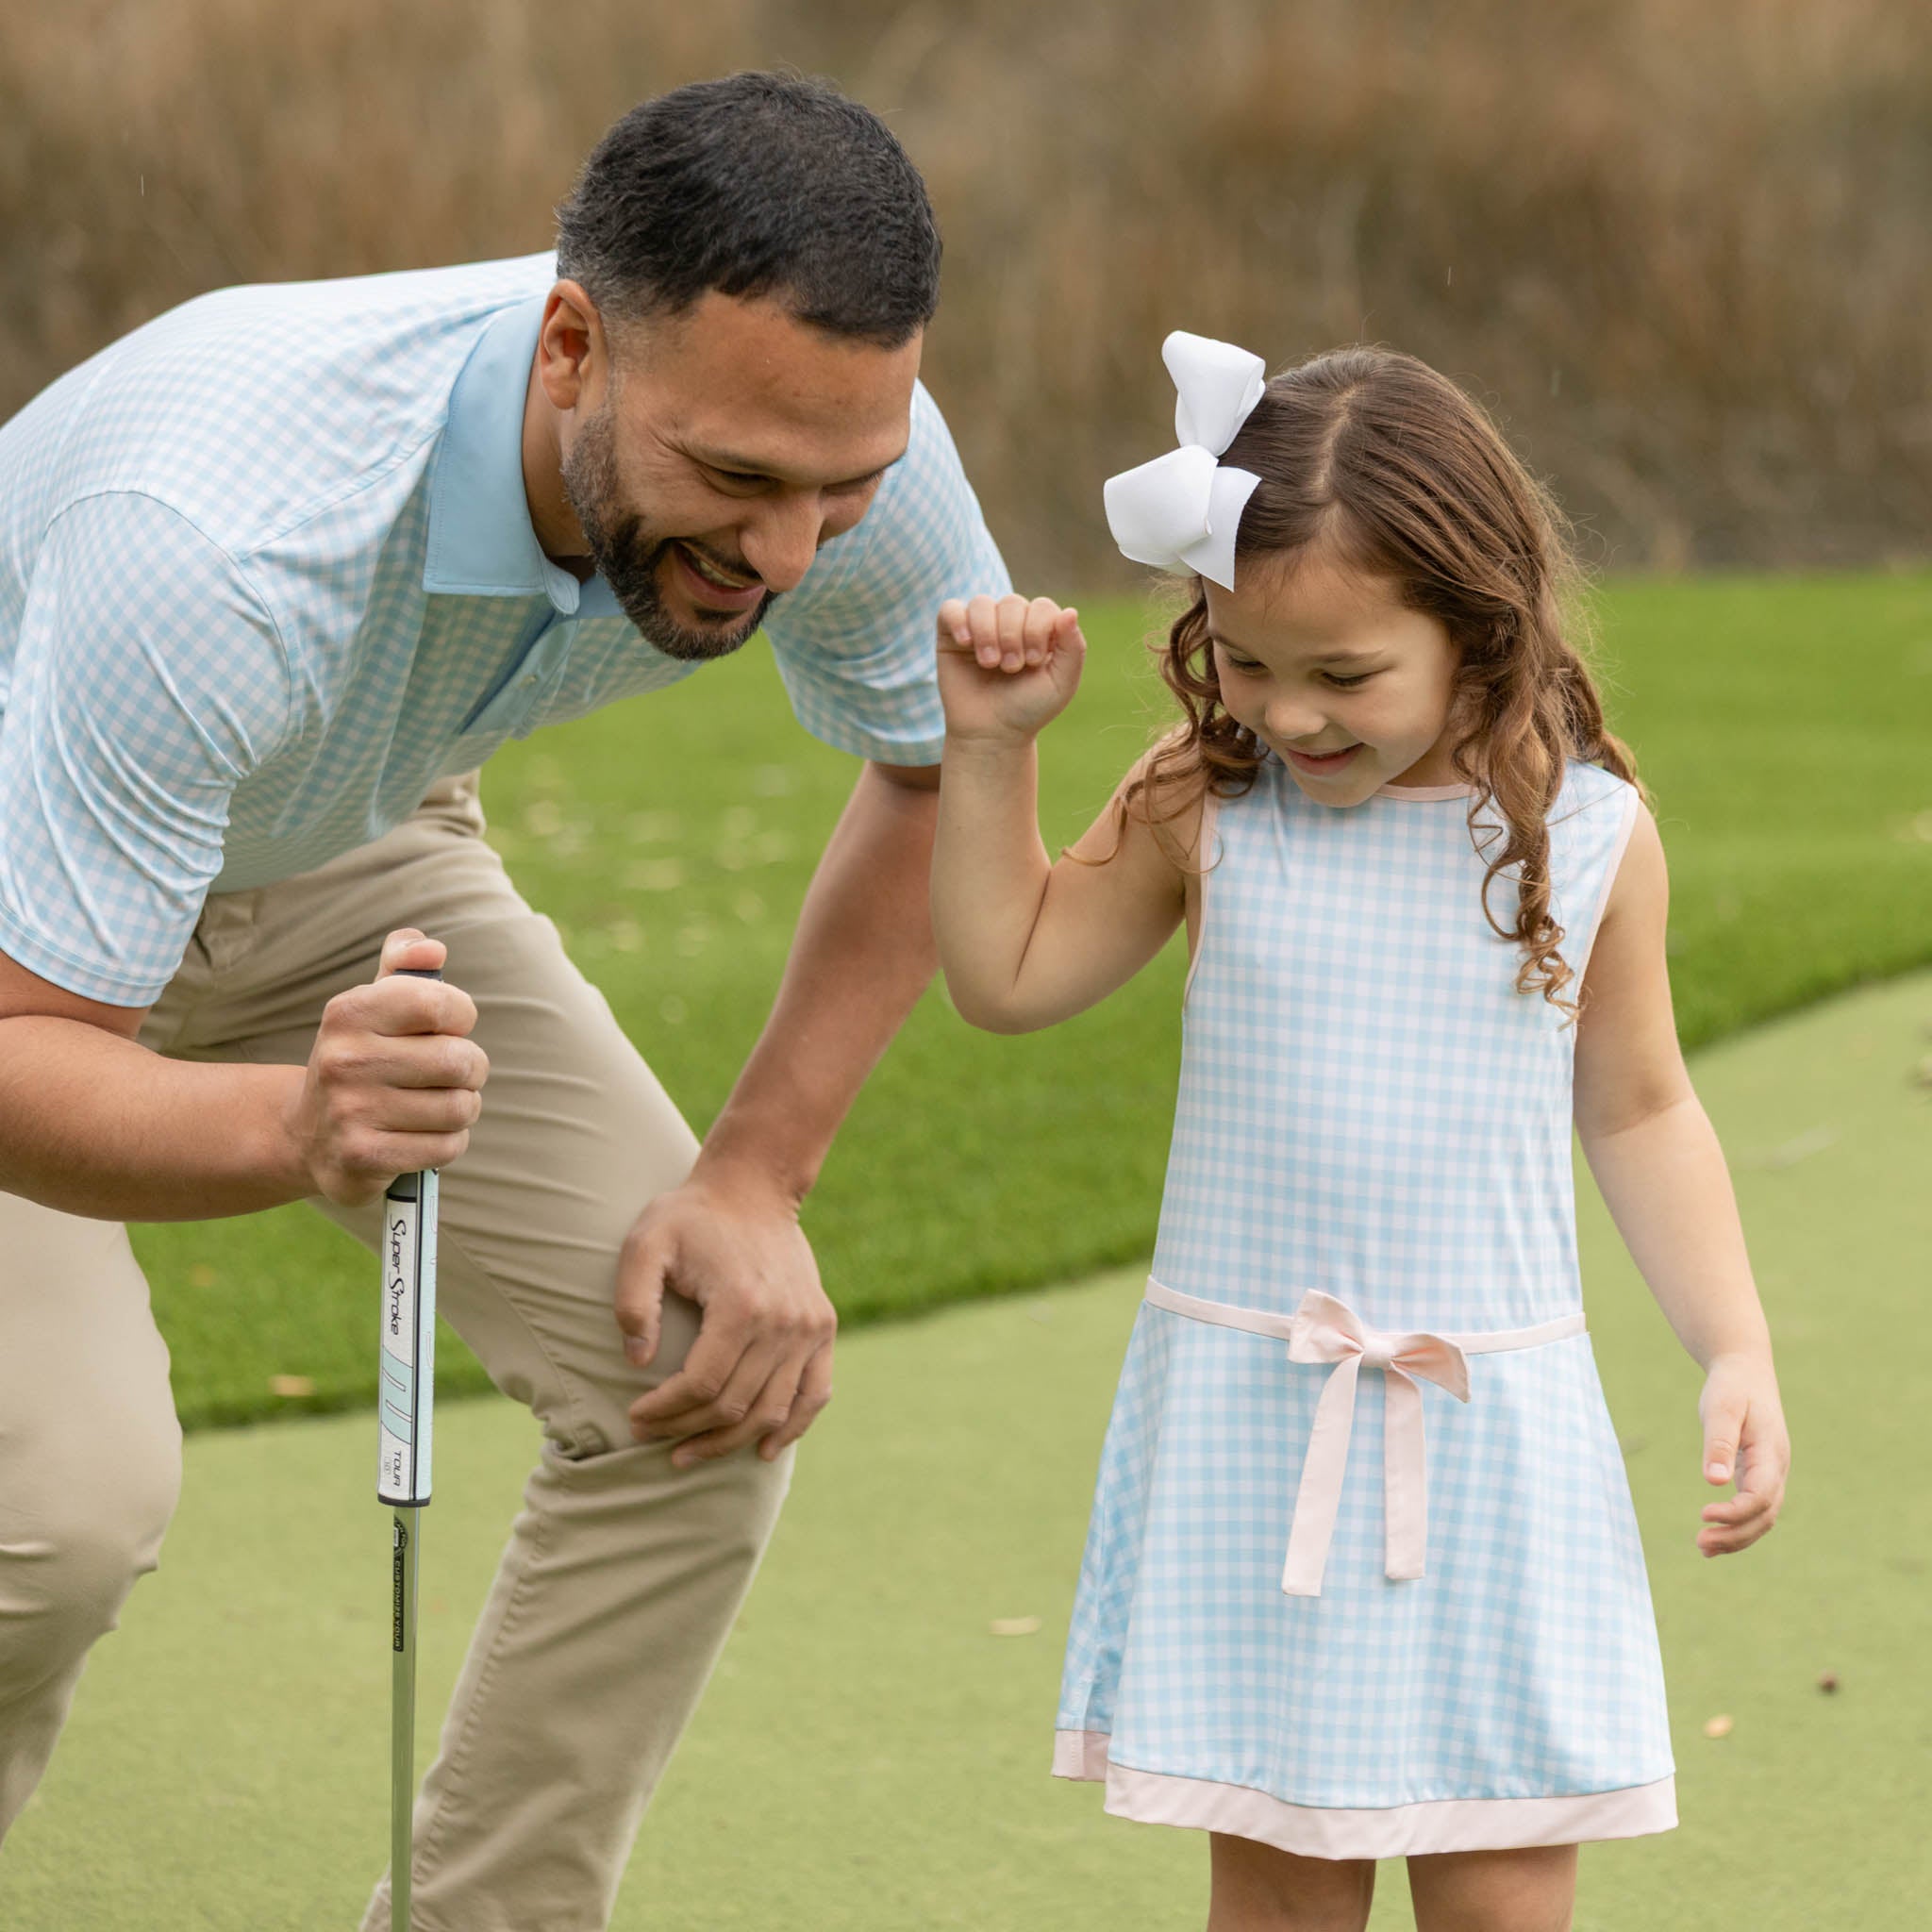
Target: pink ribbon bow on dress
1327	1330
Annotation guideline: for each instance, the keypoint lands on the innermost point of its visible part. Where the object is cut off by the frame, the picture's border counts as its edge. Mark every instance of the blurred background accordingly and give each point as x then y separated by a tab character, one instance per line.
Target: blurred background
1681	250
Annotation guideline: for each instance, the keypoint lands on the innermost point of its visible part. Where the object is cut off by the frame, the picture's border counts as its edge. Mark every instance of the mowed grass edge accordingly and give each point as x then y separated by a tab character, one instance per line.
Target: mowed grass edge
1780	723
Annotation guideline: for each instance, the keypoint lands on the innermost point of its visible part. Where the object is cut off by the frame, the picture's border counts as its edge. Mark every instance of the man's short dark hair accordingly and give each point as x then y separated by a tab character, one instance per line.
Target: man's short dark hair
761	184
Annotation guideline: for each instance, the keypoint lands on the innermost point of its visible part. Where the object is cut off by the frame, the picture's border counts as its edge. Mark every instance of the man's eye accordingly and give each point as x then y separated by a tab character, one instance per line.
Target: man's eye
739	479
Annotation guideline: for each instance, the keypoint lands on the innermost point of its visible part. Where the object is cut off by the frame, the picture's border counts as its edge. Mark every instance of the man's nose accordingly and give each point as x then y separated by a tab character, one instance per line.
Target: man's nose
781	540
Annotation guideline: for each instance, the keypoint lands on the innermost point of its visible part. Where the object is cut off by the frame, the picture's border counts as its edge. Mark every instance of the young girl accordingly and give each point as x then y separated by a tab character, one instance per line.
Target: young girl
1328	1615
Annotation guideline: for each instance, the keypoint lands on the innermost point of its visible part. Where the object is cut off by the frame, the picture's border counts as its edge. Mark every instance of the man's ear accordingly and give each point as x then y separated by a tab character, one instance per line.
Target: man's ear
573	353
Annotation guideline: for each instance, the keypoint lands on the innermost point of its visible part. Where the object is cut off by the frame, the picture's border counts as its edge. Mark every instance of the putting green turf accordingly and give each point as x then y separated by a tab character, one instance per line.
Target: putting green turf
870	1757
1782	721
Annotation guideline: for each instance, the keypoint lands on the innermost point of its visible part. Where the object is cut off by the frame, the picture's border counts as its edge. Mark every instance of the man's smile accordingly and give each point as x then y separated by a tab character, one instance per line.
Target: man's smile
712	588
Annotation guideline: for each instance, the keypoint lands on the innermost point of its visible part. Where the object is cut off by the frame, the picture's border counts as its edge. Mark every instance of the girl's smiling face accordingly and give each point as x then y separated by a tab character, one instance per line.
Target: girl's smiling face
1345	684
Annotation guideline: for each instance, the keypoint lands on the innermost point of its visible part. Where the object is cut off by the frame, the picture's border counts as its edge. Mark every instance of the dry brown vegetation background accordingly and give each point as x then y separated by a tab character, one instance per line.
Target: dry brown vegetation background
1679	245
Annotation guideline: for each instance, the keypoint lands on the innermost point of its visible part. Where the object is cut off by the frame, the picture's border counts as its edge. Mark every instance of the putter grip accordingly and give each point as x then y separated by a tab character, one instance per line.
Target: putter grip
405	1386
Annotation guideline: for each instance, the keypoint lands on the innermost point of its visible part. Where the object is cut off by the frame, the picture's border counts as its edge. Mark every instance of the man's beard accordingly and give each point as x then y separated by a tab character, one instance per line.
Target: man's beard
629	559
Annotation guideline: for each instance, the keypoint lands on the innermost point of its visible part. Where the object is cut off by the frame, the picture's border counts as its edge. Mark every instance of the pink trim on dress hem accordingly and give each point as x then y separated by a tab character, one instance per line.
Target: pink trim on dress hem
1394	1831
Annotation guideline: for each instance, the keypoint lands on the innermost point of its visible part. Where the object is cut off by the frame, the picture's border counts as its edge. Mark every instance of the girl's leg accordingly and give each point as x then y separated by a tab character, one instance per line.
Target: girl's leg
1257	1888
1529	1891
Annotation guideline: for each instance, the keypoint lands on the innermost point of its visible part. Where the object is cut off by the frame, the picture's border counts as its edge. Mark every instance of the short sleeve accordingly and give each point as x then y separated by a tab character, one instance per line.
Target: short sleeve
148	681
855	641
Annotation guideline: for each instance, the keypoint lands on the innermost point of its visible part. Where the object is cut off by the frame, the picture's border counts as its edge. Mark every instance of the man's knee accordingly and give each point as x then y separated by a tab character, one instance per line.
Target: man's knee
90	1446
762	1487
717	1516
76	1533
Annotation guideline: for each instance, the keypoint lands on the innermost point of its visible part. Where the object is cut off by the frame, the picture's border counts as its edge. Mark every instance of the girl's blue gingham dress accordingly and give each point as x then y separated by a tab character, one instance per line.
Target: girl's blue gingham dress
1368	1109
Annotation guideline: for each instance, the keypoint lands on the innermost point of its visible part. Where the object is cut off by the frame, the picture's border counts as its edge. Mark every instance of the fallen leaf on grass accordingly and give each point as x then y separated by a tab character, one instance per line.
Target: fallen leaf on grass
1014	1627
1717	1727
202	1275
292	1385
1827	1680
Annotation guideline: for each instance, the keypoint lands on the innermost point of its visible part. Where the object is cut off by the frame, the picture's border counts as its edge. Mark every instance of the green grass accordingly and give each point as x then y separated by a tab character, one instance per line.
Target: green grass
872	1758
1782	722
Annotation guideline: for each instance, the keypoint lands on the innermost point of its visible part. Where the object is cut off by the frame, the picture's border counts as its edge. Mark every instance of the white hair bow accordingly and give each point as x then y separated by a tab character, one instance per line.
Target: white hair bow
1180	512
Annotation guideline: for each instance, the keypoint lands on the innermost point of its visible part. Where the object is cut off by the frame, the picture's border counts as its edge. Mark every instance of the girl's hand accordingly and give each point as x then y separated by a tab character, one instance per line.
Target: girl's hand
1743	1430
1006	668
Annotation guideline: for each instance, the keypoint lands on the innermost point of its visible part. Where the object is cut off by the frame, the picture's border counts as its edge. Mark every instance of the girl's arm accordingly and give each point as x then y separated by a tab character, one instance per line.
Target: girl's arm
1024	942
1662	1175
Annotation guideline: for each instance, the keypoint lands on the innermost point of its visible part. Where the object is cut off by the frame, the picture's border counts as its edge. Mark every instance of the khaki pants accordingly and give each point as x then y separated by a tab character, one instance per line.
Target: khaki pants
622	1575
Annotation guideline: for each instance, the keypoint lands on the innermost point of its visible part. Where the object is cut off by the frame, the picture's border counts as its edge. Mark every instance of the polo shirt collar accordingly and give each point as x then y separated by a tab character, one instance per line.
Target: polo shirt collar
481	542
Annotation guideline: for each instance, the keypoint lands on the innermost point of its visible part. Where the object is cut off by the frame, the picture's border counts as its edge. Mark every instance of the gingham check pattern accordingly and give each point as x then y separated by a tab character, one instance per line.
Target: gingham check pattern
1369	1108
266	574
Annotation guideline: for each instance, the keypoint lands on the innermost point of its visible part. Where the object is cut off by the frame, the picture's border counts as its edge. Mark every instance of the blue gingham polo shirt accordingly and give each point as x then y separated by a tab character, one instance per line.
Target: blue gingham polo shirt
267	572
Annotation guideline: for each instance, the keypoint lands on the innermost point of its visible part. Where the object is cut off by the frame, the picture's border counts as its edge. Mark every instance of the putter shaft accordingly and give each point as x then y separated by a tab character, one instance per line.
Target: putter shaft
402	1770
407	1403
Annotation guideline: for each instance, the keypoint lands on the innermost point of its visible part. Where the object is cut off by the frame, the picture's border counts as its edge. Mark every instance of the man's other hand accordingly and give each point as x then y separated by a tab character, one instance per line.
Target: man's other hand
760	1369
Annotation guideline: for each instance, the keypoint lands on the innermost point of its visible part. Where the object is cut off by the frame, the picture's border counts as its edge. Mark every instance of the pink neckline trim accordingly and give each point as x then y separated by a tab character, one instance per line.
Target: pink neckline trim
1426	794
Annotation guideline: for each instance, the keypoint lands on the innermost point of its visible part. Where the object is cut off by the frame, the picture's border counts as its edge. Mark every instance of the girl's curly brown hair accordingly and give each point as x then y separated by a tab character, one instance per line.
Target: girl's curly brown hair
1382	465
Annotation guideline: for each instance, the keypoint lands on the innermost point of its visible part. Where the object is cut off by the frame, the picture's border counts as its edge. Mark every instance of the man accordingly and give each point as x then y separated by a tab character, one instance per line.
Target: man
277	572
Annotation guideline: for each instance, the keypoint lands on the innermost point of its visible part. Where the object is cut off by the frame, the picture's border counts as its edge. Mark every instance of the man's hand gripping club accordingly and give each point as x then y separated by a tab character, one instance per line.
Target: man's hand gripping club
393	1082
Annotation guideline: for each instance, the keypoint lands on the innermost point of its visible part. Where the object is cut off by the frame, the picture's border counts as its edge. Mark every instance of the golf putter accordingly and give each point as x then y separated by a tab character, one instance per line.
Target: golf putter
407	1402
